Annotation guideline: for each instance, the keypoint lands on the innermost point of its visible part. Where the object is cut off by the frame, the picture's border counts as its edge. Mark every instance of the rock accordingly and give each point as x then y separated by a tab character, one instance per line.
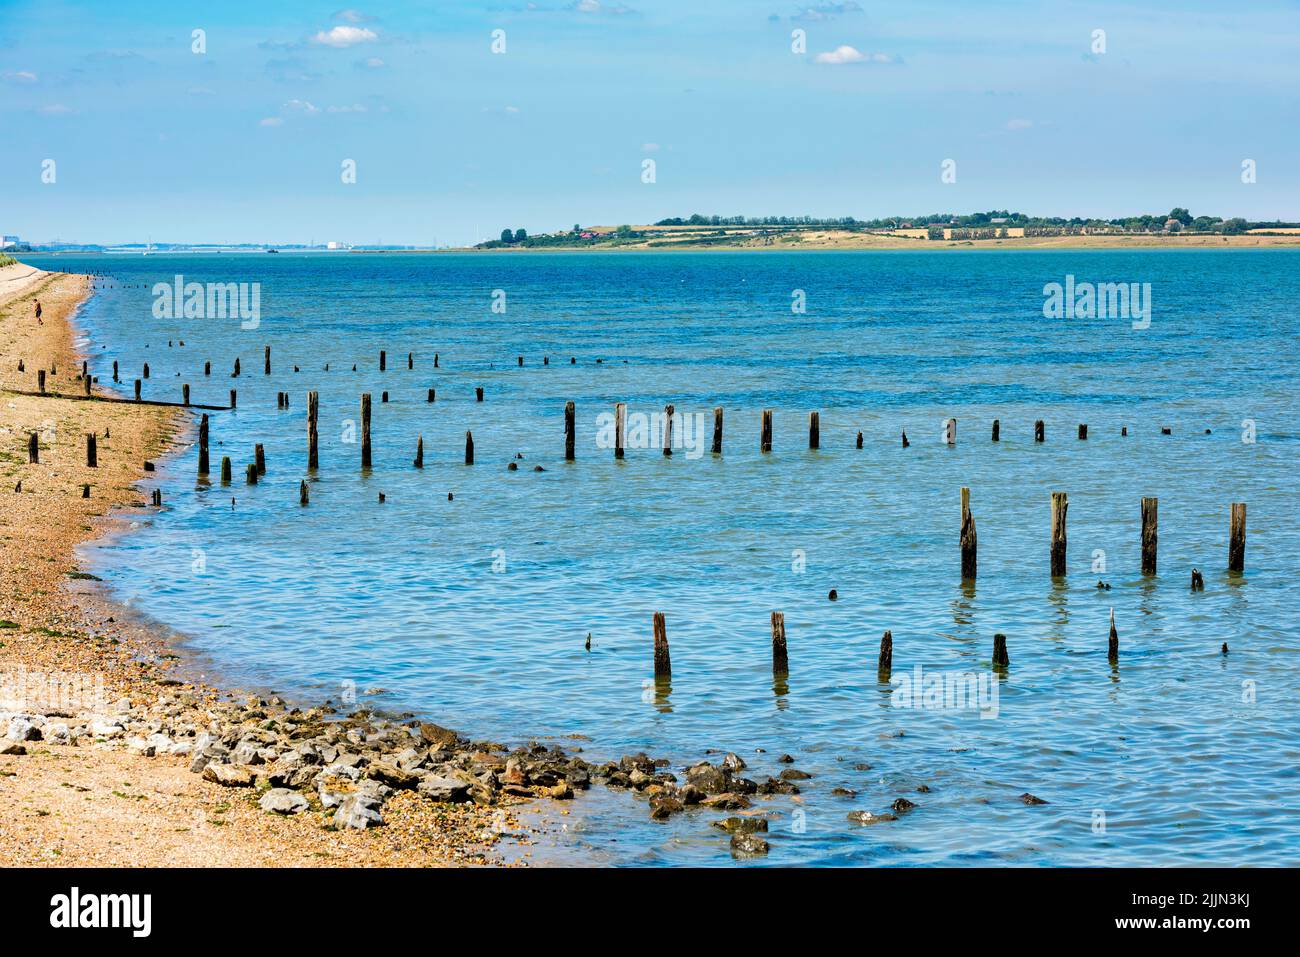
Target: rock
663	806
357	811
141	746
844	792
726	802
212	752
742	825
22	728
228	775
923	789
392	775
786	759
283	801
777	786
101	728
451	790
902	804
794	774
733	763
1031	799
438	736
11	747
708	779
559	792
866	817
246	752
58	734
746	844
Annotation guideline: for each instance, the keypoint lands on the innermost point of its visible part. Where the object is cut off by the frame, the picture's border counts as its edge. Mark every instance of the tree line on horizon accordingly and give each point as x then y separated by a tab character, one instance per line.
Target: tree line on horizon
1141	223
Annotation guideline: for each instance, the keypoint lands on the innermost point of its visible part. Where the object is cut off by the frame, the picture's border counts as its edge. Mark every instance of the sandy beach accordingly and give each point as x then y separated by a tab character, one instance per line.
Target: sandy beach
81	681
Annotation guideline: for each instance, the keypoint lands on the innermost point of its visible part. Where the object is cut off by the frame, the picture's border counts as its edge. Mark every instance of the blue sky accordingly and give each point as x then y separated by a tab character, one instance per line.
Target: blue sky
452	141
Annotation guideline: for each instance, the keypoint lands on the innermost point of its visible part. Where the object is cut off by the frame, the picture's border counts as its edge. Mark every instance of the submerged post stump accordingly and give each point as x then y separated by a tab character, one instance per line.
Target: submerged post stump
266	362
430	397
950	431
570	431
1237	538
663	664
137	390
185	394
997	430
765	432
365	430
1060	504
233	398
313	437
92	453
87	380
1149	535
968	539
1039	431
410	360
478	394
885	664
814	430
115	376
383	360
259	458
717	430
419	452
303	496
203	444
207	369
469	448
225	470
859	440
233	375
145	371
1000	659
1112	649
780	660
620	428
1083	431
668	430
250	473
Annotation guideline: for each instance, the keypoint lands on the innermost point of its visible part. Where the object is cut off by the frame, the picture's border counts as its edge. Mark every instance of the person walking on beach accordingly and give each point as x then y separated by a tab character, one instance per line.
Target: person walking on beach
39	321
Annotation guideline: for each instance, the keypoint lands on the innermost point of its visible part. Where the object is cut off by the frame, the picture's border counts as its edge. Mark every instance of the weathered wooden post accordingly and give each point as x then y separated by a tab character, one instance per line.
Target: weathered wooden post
431	396
207	369
365	430
203	444
225	470
1000	659
469	448
1039	431
620	428
266	362
1060	503
765	432
115	377
780	660
814	430
668	430
86	382
259	458
235	374
1112	651
313	437
997	430
968	540
250	473
419	452
885	664
185	393
570	431
1198	580
303	495
521	362
1149	535
384	396
233	398
1237	538
410	360
859	440
905	442
950	431
92	453
663	664
478	394
383	360
717	430
435	360
146	371
137	390
1083	431
40	381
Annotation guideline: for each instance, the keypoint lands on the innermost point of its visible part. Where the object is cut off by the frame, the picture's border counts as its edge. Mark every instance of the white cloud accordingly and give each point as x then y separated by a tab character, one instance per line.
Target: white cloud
353	16
303	105
848	54
595	7
371	63
355	108
340	37
21	76
57	109
1019	124
272	121
650	147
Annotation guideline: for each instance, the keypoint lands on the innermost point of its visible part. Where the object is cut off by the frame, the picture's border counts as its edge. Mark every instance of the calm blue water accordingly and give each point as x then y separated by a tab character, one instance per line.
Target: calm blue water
474	611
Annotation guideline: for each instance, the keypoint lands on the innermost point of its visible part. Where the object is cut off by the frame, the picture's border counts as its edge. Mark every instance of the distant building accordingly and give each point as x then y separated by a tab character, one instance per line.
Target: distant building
7	241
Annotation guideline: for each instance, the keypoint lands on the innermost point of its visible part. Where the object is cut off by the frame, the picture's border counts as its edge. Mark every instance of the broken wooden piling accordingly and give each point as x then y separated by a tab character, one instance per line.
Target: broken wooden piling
365	429
570	431
185	394
885	663
1237	537
266	360
663	664
814	430
1149	535
997	430
383	360
968	539
303	495
1000	659
950	431
765	432
469	448
1060	504
478	394
1083	431
313	437
250	473
620	428
137	390
1112	646
232	398
225	470
668	430
419	452
1198	580
92	453
1039	430
203	444
717	430
259	458
780	660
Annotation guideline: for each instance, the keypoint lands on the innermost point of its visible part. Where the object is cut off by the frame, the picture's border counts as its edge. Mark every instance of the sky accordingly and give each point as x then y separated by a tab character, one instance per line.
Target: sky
247	139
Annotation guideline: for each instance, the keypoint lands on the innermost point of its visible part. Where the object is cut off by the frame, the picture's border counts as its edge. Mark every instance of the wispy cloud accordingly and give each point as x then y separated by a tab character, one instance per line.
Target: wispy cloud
847	54
271	121
57	109
20	76
596	7
370	63
353	16
343	37
825	11
1019	124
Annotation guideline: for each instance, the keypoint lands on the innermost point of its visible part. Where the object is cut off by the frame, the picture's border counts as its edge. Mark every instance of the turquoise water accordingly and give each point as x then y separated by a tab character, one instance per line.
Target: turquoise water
475	610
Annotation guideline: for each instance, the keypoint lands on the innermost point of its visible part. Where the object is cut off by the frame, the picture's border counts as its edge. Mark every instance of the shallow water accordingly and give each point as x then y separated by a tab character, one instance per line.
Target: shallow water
1170	750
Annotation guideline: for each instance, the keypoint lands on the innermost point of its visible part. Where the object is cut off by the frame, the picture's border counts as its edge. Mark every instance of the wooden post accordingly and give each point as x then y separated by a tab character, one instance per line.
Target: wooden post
1149	537
780	661
185	394
950	431
814	430
478	394
146	371
620	428
430	398
410	360
668	430
259	458
1083	431
1000	659
313	437
266	363
115	378
997	430
905	442
225	470
137	390
1060	503
92	453
1198	580
383	360
86	380
663	665
235	374
207	369
521	362
365	429
885	665
859	440
1038	431
570	431
1112	651
250	473
203	444
435	360
717	431
968	540
303	495
765	432
1237	538
419	452
232	398
40	381
469	448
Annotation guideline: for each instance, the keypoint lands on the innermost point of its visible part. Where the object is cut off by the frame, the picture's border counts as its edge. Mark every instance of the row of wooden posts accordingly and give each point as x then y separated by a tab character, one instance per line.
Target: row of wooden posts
663	668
